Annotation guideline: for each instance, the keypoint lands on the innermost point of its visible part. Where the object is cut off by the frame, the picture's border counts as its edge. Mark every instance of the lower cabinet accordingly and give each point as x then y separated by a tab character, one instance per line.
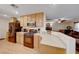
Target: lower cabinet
12	37
29	40
20	37
26	39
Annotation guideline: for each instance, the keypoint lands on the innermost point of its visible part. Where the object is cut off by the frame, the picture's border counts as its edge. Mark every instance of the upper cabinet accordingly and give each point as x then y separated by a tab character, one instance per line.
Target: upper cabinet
39	19
22	21
32	20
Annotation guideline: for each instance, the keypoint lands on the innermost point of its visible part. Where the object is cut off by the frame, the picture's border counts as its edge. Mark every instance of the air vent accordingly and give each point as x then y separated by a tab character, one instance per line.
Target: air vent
14	6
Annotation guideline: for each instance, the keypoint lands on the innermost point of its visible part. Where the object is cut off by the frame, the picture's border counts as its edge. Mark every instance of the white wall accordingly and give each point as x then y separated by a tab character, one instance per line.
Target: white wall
56	26
3	27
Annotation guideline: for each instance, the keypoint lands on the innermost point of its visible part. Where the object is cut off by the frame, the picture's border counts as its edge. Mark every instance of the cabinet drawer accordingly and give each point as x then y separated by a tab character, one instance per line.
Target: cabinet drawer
28	40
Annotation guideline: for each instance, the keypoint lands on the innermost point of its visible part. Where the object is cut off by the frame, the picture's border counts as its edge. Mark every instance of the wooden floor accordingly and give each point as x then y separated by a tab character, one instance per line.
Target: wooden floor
77	52
12	48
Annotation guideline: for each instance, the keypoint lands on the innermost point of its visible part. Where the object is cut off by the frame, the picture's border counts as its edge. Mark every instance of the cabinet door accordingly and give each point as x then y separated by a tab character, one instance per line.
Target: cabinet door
25	21
39	20
33	16
33	19
28	41
22	21
29	19
20	37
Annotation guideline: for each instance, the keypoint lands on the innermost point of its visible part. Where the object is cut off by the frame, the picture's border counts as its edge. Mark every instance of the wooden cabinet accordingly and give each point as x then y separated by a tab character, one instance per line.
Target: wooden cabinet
25	39
12	37
13	28
29	40
33	17
20	37
36	18
22	21
25	21
39	19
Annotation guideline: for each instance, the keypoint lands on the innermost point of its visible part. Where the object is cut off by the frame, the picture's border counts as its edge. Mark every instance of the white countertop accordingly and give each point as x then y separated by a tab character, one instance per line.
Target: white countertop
52	40
69	41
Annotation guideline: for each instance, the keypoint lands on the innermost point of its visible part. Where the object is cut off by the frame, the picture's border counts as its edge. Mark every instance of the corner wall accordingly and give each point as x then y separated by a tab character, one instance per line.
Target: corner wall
3	27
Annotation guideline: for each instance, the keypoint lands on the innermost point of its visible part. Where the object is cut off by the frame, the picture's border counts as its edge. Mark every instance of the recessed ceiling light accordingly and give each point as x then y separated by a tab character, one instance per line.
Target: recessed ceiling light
54	4
17	12
18	19
5	15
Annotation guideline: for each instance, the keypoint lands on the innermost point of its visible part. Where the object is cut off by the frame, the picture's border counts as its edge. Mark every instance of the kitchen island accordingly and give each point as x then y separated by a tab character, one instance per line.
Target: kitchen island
55	42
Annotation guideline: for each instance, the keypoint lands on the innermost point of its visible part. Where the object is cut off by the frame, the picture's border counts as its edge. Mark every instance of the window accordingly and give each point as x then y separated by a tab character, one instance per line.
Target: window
76	28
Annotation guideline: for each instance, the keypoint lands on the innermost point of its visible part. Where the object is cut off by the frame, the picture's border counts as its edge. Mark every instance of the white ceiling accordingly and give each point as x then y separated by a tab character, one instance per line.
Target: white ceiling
52	11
